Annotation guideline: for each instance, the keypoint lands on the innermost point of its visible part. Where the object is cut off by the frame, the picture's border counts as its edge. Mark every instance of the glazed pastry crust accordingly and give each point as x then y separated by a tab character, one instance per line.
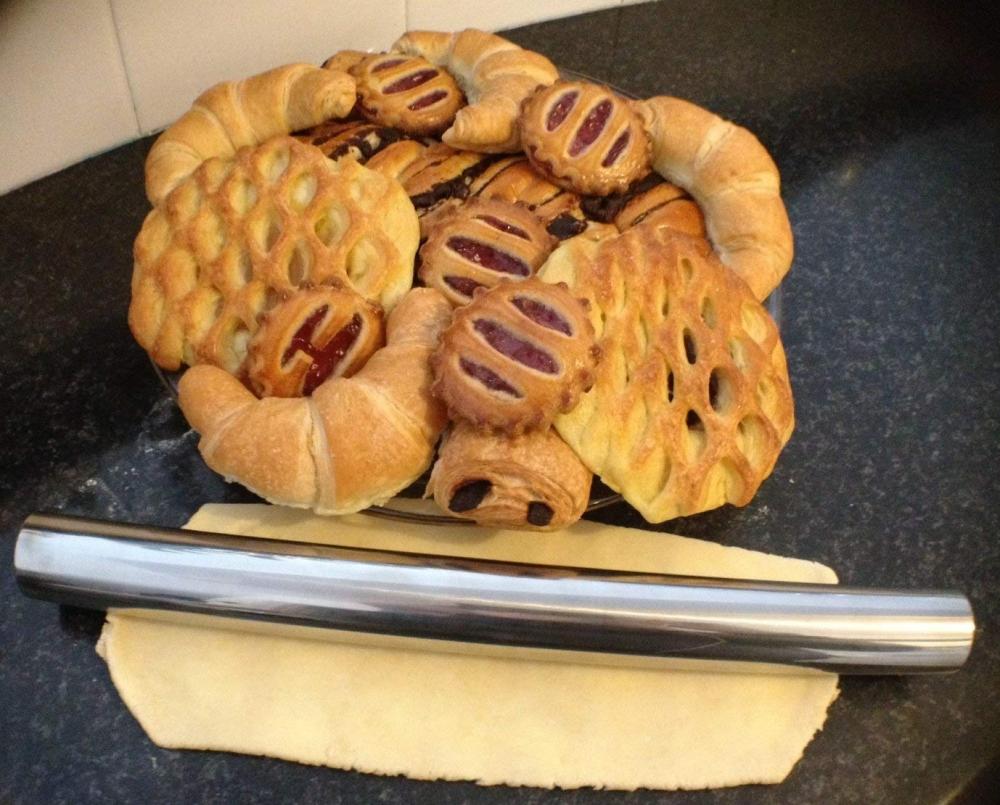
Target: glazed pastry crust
479	245
496	76
584	137
735	182
316	333
236	114
480	380
354	443
407	92
692	403
531	477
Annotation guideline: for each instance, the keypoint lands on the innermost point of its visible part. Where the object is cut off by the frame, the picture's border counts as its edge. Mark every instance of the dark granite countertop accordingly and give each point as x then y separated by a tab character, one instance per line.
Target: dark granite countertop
882	119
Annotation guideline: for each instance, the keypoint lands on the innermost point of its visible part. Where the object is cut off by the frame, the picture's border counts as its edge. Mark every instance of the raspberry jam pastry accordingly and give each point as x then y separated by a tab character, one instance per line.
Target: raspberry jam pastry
314	334
481	244
515	356
407	92
584	137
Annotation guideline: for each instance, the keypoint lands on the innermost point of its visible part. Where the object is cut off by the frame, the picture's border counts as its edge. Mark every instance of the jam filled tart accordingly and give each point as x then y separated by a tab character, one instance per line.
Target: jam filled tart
515	356
313	335
584	137
481	244
407	92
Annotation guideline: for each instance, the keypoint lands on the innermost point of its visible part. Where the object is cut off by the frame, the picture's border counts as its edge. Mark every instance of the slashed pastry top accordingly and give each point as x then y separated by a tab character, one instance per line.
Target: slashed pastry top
240	234
481	244
316	333
407	92
584	137
691	403
515	356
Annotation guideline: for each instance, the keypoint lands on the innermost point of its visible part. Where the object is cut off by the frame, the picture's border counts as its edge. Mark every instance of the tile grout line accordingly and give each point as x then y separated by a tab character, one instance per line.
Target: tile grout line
128	78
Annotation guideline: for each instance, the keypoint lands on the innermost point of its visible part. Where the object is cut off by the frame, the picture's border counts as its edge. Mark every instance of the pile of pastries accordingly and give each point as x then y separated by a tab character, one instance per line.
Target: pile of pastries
444	257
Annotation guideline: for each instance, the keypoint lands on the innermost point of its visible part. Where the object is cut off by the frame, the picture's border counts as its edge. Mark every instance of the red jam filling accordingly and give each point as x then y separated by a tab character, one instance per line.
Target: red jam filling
385	65
488	378
410	81
503	226
326	358
506	343
560	109
591	128
616	150
488	257
429	99
542	314
463	285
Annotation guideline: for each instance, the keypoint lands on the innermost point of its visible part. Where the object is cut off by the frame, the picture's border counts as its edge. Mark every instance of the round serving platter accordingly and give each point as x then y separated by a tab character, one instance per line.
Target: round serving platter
601	496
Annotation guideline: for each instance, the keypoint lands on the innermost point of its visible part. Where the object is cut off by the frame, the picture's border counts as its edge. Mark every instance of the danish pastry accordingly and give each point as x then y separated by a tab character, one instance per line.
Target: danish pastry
355	442
532	481
584	138
238	114
495	75
480	244
240	234
691	403
735	182
407	92
358	139
515	356
314	334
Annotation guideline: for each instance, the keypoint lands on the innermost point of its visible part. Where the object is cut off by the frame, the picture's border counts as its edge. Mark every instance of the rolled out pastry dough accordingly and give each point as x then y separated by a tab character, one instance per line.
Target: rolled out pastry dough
302	694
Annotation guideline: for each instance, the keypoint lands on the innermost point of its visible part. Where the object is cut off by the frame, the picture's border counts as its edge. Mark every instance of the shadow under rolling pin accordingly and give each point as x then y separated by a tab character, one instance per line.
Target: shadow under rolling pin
623	618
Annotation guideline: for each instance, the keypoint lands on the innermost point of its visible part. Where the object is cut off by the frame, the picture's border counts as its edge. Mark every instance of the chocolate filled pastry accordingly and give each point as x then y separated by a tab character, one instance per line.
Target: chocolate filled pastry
584	137
652	199
530	481
515	356
407	92
314	334
480	244
358	139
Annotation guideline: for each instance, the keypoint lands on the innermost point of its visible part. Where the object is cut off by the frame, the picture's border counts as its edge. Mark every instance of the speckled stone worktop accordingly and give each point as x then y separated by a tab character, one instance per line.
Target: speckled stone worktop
882	119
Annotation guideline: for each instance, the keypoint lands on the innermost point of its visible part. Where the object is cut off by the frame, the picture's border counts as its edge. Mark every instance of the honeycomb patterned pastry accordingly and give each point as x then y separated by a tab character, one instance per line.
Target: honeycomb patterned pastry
691	403
481	244
515	356
316	333
239	235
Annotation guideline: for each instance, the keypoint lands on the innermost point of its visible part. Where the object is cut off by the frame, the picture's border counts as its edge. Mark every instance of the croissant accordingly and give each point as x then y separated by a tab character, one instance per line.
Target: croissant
235	114
355	442
735	182
495	75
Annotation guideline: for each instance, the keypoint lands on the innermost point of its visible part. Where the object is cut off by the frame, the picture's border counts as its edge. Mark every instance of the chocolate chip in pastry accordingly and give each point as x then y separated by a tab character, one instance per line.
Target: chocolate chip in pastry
515	356
530	481
479	245
314	334
407	92
584	137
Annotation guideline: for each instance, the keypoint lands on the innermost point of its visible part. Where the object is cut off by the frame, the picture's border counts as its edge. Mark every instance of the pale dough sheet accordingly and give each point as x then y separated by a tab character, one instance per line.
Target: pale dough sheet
300	694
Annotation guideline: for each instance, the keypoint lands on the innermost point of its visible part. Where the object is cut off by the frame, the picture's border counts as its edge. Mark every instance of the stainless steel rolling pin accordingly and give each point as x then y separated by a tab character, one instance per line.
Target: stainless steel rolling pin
619	615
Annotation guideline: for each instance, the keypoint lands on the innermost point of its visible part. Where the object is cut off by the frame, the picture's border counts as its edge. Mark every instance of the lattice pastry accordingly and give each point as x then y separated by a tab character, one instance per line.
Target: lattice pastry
515	356
584	137
407	92
531	481
691	403
240	234
481	244
316	333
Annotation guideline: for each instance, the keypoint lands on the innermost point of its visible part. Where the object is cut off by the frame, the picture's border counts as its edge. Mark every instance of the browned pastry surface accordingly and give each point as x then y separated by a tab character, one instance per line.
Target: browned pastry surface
359	139
407	92
316	333
531	481
240	234
515	356
691	403
344	60
584	137
481	244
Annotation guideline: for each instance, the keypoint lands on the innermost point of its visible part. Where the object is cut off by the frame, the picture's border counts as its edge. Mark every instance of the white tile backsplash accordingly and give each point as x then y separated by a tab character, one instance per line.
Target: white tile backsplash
448	15
82	76
63	91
